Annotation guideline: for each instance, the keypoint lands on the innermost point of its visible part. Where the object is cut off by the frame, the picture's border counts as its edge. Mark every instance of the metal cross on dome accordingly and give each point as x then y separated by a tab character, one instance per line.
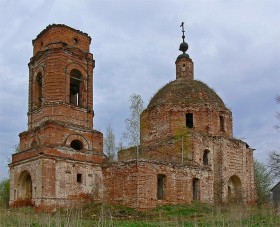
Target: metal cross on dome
182	25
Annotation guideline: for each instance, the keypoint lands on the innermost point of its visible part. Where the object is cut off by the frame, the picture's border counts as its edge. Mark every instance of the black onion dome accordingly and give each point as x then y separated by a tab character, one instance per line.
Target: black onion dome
183	47
186	93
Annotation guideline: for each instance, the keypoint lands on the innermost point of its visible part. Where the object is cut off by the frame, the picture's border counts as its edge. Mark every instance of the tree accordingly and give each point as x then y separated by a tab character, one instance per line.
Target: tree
263	182
274	163
278	113
4	192
132	124
109	143
274	156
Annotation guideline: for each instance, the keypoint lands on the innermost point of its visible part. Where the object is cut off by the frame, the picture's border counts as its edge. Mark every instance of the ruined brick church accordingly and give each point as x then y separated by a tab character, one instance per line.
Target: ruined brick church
187	150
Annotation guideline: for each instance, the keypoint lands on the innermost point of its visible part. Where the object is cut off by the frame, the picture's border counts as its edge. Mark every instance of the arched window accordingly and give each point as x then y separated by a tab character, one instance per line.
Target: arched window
183	68
206	157
38	90
77	145
75	87
34	144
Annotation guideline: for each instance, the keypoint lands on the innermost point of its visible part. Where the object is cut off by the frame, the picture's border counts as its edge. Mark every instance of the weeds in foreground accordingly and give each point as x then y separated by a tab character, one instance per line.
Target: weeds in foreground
177	215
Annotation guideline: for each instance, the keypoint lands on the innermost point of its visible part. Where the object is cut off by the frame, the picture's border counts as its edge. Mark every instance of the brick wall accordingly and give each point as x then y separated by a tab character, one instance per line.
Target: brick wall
61	33
54	182
61	160
134	183
55	66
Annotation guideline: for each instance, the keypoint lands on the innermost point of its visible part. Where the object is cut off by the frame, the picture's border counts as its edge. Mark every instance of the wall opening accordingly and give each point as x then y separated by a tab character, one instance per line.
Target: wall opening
75	87
161	186
195	187
25	186
38	89
75	40
34	144
222	123
79	178
183	68
206	155
77	145
234	190
189	120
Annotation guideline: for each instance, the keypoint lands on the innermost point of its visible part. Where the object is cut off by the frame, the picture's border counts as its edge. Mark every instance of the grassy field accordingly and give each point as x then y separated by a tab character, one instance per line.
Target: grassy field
179	215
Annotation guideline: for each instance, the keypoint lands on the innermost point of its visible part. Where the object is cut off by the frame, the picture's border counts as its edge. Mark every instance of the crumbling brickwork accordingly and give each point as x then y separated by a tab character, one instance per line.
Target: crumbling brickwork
135	183
186	123
187	149
60	158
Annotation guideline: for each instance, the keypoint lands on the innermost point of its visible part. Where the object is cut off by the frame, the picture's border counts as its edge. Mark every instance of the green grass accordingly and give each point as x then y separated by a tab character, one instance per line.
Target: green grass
178	215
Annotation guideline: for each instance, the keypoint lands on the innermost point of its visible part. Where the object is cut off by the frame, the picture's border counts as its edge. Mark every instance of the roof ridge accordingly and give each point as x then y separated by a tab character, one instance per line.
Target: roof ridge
59	25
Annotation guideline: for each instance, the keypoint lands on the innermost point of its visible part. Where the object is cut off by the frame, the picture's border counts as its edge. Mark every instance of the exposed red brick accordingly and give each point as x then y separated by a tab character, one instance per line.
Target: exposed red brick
61	161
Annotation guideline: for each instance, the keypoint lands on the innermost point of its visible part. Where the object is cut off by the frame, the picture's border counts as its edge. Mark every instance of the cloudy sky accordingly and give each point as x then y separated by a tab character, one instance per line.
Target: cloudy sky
235	46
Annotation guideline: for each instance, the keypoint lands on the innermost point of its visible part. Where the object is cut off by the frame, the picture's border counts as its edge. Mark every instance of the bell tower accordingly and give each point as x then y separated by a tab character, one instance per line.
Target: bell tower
60	78
60	154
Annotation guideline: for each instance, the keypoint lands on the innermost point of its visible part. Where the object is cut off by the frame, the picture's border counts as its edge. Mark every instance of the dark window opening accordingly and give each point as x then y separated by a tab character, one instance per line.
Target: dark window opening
189	120
160	186
79	178
77	145
34	144
39	89
195	189
183	68
206	157
75	87
76	40
222	123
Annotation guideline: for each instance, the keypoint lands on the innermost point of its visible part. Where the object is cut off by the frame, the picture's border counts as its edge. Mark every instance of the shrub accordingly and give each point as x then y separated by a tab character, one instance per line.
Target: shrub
263	182
4	193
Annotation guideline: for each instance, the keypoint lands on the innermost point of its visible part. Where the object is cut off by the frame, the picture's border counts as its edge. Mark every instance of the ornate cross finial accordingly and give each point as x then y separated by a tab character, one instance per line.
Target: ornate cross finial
183	31
183	46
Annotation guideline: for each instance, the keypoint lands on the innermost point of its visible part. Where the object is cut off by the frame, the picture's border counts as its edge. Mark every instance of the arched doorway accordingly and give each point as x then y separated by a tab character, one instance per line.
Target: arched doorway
234	190
25	187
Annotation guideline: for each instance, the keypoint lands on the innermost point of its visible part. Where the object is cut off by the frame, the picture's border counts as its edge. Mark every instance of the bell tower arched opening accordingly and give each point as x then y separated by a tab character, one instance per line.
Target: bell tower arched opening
38	90
75	87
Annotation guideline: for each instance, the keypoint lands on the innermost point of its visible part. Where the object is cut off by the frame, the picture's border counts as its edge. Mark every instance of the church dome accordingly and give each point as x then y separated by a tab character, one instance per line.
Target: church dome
182	92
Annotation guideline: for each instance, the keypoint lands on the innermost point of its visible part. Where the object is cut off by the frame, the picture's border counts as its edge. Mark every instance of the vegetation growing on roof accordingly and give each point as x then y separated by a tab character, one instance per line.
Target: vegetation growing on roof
188	92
